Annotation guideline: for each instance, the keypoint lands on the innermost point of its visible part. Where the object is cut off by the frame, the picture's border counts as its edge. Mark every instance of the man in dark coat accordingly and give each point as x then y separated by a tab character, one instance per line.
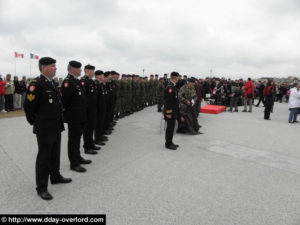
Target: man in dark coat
171	109
89	89
75	114
43	109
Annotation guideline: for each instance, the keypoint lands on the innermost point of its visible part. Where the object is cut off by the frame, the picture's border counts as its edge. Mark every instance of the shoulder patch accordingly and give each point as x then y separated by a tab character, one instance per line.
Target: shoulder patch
66	84
82	83
170	90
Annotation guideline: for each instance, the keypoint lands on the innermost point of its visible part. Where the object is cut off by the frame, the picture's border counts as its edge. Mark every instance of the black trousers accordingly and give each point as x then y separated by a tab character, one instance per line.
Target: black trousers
261	99
267	111
170	131
88	133
100	122
9	102
47	160
75	131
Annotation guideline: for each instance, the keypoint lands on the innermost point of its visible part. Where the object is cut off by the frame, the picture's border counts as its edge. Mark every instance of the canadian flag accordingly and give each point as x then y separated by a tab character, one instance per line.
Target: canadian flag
19	55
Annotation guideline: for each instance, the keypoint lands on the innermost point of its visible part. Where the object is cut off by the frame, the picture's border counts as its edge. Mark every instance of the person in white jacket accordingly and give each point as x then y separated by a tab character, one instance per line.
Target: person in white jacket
294	103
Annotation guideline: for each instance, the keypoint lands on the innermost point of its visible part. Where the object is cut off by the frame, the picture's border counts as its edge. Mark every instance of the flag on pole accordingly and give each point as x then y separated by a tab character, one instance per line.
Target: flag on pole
33	56
17	55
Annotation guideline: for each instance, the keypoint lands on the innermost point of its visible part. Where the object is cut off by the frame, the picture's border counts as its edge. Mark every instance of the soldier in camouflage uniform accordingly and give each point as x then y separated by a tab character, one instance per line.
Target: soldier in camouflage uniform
117	107
160	95
188	116
129	104
123	95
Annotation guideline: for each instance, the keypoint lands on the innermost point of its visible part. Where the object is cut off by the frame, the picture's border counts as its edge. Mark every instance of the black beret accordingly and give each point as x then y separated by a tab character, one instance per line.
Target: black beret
128	75
113	72
89	67
98	72
75	64
174	74
156	75
151	75
192	80
46	61
107	73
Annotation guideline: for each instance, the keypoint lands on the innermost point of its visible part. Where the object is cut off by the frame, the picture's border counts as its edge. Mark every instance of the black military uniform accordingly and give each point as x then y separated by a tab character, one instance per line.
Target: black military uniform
171	108
102	97
75	114
43	109
88	86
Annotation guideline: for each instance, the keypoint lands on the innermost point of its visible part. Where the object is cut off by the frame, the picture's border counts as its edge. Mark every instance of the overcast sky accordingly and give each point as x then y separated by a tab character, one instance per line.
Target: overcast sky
236	38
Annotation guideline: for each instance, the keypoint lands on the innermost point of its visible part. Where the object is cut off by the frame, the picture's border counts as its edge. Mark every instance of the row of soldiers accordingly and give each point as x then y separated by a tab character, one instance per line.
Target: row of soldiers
90	106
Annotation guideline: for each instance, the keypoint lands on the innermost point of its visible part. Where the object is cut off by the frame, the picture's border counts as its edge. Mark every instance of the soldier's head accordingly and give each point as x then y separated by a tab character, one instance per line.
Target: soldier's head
47	67
175	76
99	75
151	77
156	76
16	78
128	77
191	82
161	80
114	75
165	76
24	78
107	76
124	77
185	77
89	70
74	68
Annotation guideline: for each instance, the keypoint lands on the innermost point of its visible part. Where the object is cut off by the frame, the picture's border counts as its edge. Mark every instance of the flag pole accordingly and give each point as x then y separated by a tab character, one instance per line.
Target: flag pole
30	66
15	65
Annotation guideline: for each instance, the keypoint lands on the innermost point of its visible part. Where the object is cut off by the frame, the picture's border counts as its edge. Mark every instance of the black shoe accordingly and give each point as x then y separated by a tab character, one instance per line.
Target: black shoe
244	111
95	147
256	105
199	126
107	132
175	145
249	111
90	151
60	179
78	168
296	121
267	119
85	161
45	195
171	147
236	110
100	143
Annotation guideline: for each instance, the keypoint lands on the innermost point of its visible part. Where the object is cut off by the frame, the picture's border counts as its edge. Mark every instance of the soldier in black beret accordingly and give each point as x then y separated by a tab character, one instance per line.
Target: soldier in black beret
75	114
89	88
171	109
43	108
102	103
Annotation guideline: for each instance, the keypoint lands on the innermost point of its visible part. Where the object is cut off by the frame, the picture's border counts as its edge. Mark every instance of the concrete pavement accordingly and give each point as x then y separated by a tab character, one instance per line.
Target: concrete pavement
243	170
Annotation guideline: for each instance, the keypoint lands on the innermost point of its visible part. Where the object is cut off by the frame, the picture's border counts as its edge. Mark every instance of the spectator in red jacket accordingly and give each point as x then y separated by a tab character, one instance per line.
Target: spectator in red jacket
249	95
2	94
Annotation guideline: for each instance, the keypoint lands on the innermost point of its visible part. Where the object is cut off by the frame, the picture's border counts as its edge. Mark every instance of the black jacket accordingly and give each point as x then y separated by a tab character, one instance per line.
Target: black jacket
89	89
43	107
171	101
74	100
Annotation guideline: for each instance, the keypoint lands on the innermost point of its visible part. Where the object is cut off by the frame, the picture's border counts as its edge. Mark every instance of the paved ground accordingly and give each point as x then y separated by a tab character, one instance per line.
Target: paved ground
243	170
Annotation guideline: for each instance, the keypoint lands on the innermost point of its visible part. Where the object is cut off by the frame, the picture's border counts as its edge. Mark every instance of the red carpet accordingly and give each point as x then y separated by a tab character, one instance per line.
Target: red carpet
212	109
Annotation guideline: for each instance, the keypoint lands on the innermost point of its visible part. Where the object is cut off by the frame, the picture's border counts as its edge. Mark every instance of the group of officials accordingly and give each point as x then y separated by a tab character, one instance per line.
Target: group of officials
90	106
